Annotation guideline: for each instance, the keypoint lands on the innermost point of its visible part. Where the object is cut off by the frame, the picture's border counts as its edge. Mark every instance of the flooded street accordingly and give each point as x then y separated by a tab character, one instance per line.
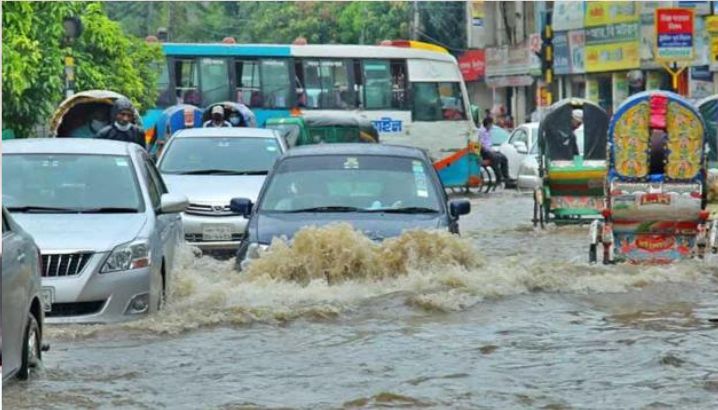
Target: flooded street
507	317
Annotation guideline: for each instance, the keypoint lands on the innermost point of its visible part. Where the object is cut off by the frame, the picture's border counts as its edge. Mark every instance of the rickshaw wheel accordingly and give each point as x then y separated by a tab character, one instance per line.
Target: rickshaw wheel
538	218
487	178
592	253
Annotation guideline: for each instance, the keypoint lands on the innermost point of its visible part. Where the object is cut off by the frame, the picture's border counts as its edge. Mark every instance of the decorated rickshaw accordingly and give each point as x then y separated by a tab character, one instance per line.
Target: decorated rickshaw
709	110
572	164
83	114
656	191
171	120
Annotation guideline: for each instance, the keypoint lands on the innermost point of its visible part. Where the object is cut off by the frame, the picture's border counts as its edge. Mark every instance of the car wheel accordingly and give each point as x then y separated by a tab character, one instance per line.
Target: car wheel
31	348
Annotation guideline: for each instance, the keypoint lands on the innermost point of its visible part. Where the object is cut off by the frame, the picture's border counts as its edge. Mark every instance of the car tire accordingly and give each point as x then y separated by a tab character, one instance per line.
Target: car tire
31	348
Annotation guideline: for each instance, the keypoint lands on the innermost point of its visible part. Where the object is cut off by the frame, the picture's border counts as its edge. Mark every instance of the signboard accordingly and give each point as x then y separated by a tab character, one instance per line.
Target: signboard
472	65
612	47
577	45
561	53
477	13
601	13
701	8
674	34
505	62
648	10
701	82
567	15
619	89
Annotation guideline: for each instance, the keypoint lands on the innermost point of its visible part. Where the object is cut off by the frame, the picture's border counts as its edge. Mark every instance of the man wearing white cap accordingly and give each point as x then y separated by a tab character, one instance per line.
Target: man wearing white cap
576	122
217	119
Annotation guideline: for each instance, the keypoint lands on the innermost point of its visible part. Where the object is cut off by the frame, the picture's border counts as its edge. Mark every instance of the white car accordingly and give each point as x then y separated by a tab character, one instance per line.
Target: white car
516	148
105	224
211	166
527	177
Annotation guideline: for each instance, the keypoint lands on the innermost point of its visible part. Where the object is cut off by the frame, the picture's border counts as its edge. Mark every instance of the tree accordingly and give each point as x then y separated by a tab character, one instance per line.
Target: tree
33	60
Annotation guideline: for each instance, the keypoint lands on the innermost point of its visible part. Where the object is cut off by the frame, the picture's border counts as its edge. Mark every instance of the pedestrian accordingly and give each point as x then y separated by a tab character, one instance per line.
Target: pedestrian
497	160
123	127
217	118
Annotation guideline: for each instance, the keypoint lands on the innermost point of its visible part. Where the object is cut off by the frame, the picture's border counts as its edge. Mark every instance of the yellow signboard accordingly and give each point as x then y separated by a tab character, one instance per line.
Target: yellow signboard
600	13
612	57
477	9
712	24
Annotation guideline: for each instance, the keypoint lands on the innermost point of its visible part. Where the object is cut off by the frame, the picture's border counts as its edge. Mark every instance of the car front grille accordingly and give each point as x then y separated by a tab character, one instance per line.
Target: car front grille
75	309
69	264
209	210
197	237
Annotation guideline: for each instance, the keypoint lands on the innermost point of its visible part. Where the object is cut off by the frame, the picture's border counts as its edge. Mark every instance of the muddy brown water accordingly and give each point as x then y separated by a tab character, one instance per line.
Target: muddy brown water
505	317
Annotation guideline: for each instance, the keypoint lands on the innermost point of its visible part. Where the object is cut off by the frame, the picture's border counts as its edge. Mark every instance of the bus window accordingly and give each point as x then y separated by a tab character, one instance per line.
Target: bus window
437	102
398	84
214	73
164	92
327	84
275	83
377	84
247	80
187	82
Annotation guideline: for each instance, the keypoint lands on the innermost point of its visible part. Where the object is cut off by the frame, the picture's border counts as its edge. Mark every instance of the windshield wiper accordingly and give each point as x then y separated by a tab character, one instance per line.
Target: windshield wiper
44	209
407	210
327	209
222	172
109	210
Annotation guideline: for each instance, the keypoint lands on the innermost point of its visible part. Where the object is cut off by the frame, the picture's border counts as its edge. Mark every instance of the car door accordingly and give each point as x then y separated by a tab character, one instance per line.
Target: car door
512	153
168	225
16	278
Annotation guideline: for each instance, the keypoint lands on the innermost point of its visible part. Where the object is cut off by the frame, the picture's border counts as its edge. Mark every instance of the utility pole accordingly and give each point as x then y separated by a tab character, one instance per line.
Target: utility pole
416	21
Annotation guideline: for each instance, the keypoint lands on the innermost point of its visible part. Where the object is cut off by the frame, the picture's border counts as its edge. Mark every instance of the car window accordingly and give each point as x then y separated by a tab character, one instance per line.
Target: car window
153	186
235	154
365	182
79	182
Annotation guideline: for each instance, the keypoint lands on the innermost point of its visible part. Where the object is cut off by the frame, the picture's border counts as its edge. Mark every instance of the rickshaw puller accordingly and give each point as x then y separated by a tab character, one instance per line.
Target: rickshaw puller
122	128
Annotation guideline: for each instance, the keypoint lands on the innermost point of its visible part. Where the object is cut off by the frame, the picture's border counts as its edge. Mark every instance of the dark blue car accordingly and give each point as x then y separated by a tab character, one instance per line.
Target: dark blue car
380	189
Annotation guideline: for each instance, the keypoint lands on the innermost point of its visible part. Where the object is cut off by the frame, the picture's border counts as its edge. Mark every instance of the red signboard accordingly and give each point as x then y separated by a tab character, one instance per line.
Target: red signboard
673	21
473	65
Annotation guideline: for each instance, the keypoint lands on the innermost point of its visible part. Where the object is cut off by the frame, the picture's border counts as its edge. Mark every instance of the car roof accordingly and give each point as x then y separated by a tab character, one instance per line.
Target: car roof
356	149
225	132
87	146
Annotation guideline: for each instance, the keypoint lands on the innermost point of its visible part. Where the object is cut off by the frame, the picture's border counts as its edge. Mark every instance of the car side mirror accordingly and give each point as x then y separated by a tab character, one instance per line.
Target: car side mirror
242	206
173	203
458	207
521	147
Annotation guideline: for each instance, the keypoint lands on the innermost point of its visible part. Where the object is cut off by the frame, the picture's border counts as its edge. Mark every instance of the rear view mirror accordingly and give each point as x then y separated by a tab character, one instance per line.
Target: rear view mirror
521	147
242	206
458	207
173	203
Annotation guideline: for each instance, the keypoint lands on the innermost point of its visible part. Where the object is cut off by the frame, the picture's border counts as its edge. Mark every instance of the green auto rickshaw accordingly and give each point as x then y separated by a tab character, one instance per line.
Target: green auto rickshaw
318	128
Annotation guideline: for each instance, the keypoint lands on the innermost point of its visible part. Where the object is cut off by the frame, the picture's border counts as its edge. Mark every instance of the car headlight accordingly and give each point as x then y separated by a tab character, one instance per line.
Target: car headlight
128	256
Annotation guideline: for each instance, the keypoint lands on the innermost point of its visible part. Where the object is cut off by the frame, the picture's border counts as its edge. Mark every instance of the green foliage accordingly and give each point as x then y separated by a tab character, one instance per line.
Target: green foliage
33	60
267	22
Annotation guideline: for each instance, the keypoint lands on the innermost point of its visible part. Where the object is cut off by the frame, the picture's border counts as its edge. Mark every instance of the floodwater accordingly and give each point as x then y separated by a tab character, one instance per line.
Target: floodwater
505	317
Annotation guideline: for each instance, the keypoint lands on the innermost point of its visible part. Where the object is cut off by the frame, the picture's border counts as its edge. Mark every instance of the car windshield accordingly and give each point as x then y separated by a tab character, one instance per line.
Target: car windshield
216	155
70	183
498	135
351	183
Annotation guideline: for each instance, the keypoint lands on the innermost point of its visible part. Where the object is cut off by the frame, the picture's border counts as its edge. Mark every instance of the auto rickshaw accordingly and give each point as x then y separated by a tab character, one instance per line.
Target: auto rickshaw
317	128
572	184
656	193
244	115
83	114
172	119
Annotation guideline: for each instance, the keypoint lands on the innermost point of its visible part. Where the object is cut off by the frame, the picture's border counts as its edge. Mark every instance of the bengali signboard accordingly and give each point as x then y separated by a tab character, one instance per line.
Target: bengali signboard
612	47
567	15
701	82
674	34
561	53
472	65
577	45
601	13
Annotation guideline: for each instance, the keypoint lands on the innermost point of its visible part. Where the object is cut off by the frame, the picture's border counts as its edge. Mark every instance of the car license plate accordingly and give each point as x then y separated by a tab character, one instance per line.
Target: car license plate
48	298
217	232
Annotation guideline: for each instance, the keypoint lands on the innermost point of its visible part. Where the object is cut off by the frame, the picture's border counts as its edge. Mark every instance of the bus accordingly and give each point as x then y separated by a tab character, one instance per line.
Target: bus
412	92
